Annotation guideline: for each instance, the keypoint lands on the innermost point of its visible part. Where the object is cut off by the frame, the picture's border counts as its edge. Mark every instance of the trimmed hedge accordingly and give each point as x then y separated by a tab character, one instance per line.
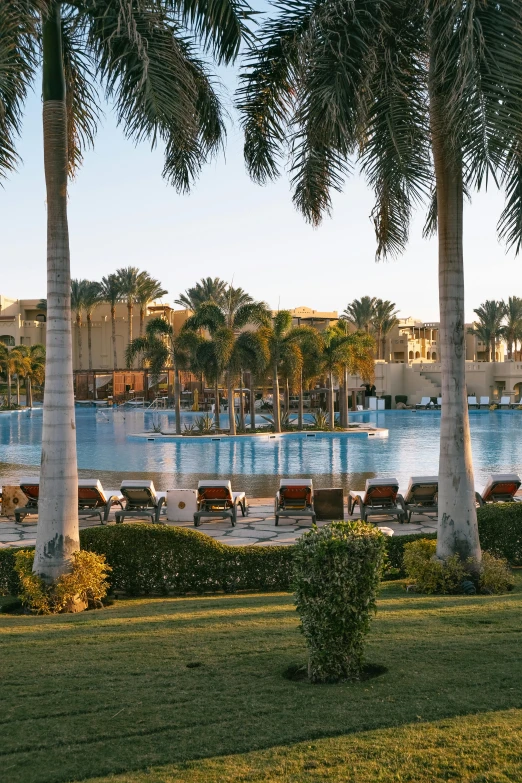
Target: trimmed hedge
158	559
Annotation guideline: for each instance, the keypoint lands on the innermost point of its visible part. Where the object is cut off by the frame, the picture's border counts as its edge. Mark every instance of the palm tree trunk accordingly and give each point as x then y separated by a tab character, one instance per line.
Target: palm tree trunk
28	392
177	401
113	329
275	395
492	349
57	533
217	420
129	315
287	399
231	408
252	404
17	390
8	388
89	340
300	410
241	402
331	411
383	342
457	528
142	320
346	404
79	334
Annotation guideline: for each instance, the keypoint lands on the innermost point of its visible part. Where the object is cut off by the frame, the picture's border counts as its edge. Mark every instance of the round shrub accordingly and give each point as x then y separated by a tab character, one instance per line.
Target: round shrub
495	576
336	576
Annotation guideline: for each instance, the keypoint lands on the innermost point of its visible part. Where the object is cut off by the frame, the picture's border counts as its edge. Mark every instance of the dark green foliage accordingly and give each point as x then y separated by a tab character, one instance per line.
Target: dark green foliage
9	581
395	552
401	398
149	559
500	529
337	572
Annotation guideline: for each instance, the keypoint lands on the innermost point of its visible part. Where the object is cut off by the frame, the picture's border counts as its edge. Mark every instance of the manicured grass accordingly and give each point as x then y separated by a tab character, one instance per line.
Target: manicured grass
109	693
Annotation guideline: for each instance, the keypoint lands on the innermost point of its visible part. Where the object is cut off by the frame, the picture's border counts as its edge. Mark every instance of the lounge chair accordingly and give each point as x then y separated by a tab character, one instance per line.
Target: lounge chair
501	488
425	401
295	499
141	500
421	496
484	401
439	402
216	499
94	501
505	402
31	489
380	498
472	402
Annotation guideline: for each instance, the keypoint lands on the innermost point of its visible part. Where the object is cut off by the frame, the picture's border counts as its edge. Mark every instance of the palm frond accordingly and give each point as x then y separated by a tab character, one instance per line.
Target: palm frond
221	25
18	60
510	223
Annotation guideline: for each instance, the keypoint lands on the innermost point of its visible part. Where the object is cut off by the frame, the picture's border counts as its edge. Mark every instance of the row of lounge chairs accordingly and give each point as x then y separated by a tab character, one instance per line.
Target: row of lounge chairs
295	498
473	404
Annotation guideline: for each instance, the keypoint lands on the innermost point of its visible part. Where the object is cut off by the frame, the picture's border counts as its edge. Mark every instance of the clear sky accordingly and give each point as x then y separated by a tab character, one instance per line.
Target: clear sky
122	213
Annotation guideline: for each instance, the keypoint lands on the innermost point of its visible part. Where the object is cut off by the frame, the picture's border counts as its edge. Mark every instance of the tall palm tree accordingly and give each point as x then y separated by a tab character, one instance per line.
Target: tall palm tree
130	280
92	296
285	352
224	323
360	313
148	290
78	288
8	365
384	318
149	64
208	289
151	347
512	329
254	357
428	96
489	325
111	293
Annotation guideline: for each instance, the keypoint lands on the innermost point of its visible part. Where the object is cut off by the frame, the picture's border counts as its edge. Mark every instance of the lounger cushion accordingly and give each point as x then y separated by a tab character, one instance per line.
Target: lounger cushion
96	486
296	483
430	485
381	482
132	489
511	479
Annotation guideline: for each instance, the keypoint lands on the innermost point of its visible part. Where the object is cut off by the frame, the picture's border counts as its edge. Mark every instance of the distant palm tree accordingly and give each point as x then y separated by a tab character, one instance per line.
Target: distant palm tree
42	305
31	367
224	322
92	296
78	288
488	328
111	293
360	313
254	357
130	279
152	348
285	354
512	329
207	290
384	318
148	290
8	365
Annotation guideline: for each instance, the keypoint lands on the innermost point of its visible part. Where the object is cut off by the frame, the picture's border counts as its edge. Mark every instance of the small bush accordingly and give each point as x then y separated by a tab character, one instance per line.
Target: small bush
500	530
87	583
453	575
429	575
336	576
495	575
9	581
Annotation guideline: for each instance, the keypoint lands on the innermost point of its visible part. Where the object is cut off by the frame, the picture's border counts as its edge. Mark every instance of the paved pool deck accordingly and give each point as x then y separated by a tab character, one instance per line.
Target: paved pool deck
257	528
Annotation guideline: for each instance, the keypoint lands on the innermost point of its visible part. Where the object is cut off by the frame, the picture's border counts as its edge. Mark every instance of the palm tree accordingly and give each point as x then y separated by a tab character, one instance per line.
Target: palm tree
78	288
360	313
488	328
512	330
285	353
384	318
30	366
207	290
130	280
254	357
428	96
151	347
148	290
8	365
224	321
92	296
143	55
111	293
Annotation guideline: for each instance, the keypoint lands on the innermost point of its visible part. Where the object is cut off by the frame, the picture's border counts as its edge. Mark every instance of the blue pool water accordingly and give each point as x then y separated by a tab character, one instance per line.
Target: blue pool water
106	451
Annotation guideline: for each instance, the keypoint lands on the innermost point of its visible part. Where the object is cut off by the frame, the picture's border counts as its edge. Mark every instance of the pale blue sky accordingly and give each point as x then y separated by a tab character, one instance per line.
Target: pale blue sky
122	213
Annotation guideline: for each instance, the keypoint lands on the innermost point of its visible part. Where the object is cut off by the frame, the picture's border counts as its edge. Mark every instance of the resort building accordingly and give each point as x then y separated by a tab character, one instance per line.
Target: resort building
413	341
21	322
305	316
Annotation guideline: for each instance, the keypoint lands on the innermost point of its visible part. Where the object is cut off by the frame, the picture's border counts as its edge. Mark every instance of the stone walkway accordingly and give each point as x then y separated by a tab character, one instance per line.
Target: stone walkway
256	528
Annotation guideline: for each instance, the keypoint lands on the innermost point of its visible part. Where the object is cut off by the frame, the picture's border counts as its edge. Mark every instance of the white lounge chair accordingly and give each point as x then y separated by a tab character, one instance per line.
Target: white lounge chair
501	488
439	402
505	402
295	499
425	401
94	501
379	498
216	499
484	401
421	496
472	402
141	500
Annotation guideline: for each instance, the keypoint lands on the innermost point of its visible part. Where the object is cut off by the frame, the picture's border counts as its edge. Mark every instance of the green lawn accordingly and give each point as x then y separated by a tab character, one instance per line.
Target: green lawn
109	693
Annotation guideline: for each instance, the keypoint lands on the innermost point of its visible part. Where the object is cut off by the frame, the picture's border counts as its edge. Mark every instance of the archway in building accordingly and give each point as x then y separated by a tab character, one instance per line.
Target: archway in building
410	355
428	355
433	356
518	391
417	355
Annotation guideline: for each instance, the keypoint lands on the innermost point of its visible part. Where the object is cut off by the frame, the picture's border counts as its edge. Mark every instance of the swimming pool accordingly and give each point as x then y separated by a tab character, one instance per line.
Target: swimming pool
255	464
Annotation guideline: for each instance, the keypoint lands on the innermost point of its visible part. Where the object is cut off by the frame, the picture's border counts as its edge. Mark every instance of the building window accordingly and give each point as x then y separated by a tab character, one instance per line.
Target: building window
417	355
434	356
410	355
41	317
7	339
428	356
